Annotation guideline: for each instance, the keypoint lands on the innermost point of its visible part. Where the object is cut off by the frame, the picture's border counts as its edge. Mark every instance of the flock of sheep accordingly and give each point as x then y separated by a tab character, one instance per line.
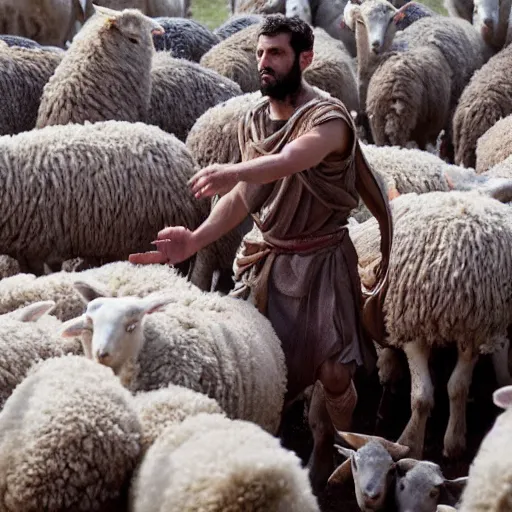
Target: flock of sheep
107	111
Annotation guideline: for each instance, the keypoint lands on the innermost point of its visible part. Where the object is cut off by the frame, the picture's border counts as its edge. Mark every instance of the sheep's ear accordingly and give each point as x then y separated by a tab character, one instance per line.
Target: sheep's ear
89	291
342	473
75	327
502	397
151	304
105	11
451	490
405	465
33	312
346	452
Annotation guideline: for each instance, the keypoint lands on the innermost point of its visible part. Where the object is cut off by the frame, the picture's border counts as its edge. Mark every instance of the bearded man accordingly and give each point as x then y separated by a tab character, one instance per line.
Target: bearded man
301	174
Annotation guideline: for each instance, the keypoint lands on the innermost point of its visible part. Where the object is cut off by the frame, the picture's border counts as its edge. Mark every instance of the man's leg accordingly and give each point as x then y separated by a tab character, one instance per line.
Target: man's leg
332	405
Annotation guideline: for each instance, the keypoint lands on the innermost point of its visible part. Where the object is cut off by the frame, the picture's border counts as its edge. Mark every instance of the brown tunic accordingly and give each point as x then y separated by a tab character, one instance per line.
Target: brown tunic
303	274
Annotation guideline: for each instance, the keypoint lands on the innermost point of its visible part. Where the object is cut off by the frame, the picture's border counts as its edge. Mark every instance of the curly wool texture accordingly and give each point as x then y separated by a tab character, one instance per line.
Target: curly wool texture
8	267
241	468
103	75
490	475
495	145
184	38
164	407
331	70
501	170
441	287
183	91
95	191
69	438
24	343
48	22
24	75
236	23
486	99
118	279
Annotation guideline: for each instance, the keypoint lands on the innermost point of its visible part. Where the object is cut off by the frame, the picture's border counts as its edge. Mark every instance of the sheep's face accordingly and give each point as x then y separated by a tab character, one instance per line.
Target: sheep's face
133	26
486	14
299	8
372	469
378	16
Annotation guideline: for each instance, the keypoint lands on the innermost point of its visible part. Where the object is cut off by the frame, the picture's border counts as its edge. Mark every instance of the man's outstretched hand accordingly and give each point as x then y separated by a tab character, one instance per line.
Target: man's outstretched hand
212	180
174	245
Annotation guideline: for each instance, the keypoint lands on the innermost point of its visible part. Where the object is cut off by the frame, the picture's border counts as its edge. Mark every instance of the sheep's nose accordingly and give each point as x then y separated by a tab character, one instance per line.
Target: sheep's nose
102	356
376	46
372	497
488	22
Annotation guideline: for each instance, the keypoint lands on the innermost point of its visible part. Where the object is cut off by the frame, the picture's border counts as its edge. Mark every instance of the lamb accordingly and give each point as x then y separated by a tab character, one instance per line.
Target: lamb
69	438
149	163
182	91
184	38
112	52
48	22
161	408
491	19
24	75
219	346
236	23
241	468
385	480
331	70
440	292
477	112
489	482
151	8
27	336
495	145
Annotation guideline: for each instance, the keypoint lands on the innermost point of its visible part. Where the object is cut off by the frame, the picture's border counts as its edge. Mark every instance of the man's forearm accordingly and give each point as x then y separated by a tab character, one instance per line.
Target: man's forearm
226	215
261	170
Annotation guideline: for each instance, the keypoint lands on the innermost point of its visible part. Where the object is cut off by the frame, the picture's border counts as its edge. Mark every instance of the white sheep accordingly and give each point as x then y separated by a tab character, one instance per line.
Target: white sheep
69	439
217	345
495	145
442	291
27	336
489	485
300	8
210	463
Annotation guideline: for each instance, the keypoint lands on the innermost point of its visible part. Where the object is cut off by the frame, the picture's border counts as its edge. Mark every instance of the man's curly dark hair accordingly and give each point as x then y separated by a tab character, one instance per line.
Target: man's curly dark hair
302	37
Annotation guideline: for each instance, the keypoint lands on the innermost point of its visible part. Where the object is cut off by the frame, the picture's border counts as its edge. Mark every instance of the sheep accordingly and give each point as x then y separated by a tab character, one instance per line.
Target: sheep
484	101
494	146
491	19
331	70
441	292
384	479
8	267
182	91
489	480
220	346
167	406
151	8
129	162
24	75
184	38
258	6
69	438
460	9
112	53
501	170
236	23
27	336
115	279
241	468
299	8
20	42
48	22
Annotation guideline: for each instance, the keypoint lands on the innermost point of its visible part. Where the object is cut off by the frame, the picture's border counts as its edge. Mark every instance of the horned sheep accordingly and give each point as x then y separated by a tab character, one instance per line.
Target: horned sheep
241	468
184	38
440	293
112	53
69	438
182	91
332	68
220	346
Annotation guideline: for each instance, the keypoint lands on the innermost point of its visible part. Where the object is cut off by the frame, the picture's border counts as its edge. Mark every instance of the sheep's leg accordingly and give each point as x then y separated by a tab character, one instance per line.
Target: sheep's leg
321	462
500	360
458	389
422	398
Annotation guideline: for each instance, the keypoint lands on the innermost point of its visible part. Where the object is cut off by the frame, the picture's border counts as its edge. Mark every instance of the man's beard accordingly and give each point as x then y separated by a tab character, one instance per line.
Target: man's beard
285	86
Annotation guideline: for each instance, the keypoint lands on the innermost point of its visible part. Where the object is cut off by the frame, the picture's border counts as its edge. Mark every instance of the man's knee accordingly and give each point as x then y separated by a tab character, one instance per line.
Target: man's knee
335	376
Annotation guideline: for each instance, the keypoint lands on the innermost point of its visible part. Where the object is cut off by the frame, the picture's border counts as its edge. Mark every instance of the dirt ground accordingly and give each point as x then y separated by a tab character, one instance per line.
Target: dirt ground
396	410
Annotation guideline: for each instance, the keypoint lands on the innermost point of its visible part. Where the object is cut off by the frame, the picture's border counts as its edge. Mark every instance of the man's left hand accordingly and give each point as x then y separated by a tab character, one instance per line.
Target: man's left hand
212	180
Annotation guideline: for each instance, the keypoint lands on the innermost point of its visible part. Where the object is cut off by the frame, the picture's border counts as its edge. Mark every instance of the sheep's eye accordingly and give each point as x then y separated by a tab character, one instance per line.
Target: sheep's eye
434	493
131	327
402	486
133	40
